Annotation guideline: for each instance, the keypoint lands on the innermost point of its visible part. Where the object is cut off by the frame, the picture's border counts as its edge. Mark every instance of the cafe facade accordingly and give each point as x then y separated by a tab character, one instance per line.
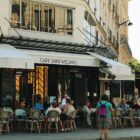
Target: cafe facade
43	52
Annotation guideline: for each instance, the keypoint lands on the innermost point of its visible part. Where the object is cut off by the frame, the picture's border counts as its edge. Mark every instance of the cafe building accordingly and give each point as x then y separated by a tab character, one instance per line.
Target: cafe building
42	52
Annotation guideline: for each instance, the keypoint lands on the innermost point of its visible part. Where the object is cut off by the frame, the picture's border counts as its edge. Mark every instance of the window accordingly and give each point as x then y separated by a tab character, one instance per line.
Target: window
69	21
25	15
15	16
43	17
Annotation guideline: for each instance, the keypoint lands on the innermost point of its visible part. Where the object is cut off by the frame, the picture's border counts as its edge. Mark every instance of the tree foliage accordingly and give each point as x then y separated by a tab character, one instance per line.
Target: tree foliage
135	64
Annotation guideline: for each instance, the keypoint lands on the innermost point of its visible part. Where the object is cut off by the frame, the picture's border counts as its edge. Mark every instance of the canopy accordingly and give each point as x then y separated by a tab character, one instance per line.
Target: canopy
121	71
11	57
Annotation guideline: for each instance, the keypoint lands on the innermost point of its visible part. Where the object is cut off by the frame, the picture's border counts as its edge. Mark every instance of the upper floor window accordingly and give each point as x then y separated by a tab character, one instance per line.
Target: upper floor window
41	17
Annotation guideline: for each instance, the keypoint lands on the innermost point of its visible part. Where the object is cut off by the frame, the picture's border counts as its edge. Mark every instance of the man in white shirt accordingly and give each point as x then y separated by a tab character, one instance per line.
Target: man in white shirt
63	103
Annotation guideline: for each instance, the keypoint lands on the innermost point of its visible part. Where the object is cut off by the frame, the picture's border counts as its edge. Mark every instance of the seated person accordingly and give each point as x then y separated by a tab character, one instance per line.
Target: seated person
20	111
63	103
39	105
124	107
87	112
66	112
55	107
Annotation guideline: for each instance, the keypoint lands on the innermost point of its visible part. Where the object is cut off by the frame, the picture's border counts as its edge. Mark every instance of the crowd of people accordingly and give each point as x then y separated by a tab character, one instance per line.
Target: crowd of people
64	109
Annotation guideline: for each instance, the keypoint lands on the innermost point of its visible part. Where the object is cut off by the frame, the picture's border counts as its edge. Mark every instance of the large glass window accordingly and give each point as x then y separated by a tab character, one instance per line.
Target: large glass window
43	17
25	15
60	22
15	16
35	16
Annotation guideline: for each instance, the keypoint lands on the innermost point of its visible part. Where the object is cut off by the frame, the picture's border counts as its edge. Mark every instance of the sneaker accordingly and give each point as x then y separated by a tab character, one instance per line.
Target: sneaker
62	129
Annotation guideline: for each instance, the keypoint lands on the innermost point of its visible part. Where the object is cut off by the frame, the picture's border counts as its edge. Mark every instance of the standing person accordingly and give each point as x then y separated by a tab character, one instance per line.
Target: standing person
87	112
104	110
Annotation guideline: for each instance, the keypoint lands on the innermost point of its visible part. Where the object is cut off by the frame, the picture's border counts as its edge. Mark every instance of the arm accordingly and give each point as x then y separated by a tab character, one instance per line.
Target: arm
112	111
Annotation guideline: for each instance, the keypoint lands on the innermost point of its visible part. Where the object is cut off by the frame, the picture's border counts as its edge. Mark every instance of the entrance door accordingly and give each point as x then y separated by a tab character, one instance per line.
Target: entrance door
78	88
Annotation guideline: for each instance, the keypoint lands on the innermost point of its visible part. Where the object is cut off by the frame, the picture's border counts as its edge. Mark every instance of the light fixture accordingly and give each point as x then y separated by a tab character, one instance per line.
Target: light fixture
129	23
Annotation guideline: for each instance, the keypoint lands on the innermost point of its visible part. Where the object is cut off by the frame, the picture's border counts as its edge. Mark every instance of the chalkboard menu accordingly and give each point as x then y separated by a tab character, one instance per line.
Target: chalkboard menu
115	88
128	87
7	84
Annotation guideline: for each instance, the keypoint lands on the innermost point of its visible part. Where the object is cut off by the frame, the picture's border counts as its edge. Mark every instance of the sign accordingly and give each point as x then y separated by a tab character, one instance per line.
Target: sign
58	58
48	60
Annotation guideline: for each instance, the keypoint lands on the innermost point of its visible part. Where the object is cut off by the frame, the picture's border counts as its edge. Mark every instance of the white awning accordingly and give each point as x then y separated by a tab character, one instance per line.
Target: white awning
11	57
121	71
58	58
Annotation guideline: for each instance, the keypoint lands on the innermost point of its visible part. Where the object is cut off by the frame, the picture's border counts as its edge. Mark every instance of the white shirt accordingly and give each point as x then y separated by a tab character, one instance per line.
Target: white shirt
64	102
52	108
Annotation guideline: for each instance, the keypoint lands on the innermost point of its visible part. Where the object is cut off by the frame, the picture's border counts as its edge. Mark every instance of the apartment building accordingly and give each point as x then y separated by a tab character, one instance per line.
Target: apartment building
112	16
49	47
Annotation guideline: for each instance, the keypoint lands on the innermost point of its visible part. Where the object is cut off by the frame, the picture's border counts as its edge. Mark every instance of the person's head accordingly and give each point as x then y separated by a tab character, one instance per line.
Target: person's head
104	97
54	104
68	101
123	101
22	103
87	102
65	95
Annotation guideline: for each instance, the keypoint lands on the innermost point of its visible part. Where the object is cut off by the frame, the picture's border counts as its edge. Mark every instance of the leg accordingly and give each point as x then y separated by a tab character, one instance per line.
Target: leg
101	133
106	133
88	119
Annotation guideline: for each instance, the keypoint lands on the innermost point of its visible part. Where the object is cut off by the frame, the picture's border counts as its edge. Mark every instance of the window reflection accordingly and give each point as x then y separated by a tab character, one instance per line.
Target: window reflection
25	15
15	18
43	17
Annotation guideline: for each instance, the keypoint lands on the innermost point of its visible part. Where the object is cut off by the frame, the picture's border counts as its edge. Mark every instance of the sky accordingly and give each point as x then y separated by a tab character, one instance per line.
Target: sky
134	30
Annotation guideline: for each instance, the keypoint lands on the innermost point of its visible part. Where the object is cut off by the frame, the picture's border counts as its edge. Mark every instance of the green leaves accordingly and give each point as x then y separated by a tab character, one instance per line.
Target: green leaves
135	64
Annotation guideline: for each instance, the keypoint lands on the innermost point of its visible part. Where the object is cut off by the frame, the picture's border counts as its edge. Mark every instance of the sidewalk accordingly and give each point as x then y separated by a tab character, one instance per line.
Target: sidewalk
81	134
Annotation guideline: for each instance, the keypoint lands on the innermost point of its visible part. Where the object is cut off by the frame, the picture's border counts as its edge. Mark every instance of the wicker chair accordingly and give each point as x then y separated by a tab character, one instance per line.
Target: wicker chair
4	121
118	118
71	120
34	120
53	119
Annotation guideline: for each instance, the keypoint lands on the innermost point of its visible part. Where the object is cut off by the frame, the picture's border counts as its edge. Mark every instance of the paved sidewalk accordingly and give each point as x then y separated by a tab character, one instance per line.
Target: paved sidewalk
81	134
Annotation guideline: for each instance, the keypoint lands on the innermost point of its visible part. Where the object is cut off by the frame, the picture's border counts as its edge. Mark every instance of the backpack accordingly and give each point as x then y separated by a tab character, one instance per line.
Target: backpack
102	110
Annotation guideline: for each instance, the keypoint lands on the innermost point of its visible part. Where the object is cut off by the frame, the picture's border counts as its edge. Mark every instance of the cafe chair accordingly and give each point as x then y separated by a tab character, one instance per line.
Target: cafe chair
53	119
4	121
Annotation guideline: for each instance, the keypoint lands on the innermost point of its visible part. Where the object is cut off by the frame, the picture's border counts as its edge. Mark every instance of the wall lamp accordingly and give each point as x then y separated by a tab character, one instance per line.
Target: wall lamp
129	23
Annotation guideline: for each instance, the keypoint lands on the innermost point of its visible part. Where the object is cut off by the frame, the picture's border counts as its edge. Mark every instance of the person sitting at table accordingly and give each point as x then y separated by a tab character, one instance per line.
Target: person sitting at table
124	106
38	104
54	107
63	103
87	111
66	111
20	111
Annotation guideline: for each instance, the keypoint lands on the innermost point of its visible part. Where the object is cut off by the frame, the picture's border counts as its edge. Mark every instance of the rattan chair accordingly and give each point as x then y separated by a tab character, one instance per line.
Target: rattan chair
4	121
53	119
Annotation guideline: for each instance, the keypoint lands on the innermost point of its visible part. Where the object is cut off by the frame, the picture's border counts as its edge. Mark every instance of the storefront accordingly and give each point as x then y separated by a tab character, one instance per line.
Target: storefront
116	79
47	73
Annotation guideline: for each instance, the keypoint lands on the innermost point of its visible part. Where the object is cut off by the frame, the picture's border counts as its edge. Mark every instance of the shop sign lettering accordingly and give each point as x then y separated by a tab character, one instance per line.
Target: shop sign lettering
58	61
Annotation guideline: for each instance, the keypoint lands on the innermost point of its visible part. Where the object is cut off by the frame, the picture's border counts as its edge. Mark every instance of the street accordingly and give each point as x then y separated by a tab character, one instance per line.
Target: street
81	134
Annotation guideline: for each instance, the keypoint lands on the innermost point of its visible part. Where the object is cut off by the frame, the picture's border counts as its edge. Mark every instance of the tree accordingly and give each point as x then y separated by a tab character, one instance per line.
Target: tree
135	64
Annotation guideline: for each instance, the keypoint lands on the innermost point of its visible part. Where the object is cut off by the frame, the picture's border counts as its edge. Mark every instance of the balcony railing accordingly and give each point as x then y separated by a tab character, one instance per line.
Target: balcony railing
63	29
